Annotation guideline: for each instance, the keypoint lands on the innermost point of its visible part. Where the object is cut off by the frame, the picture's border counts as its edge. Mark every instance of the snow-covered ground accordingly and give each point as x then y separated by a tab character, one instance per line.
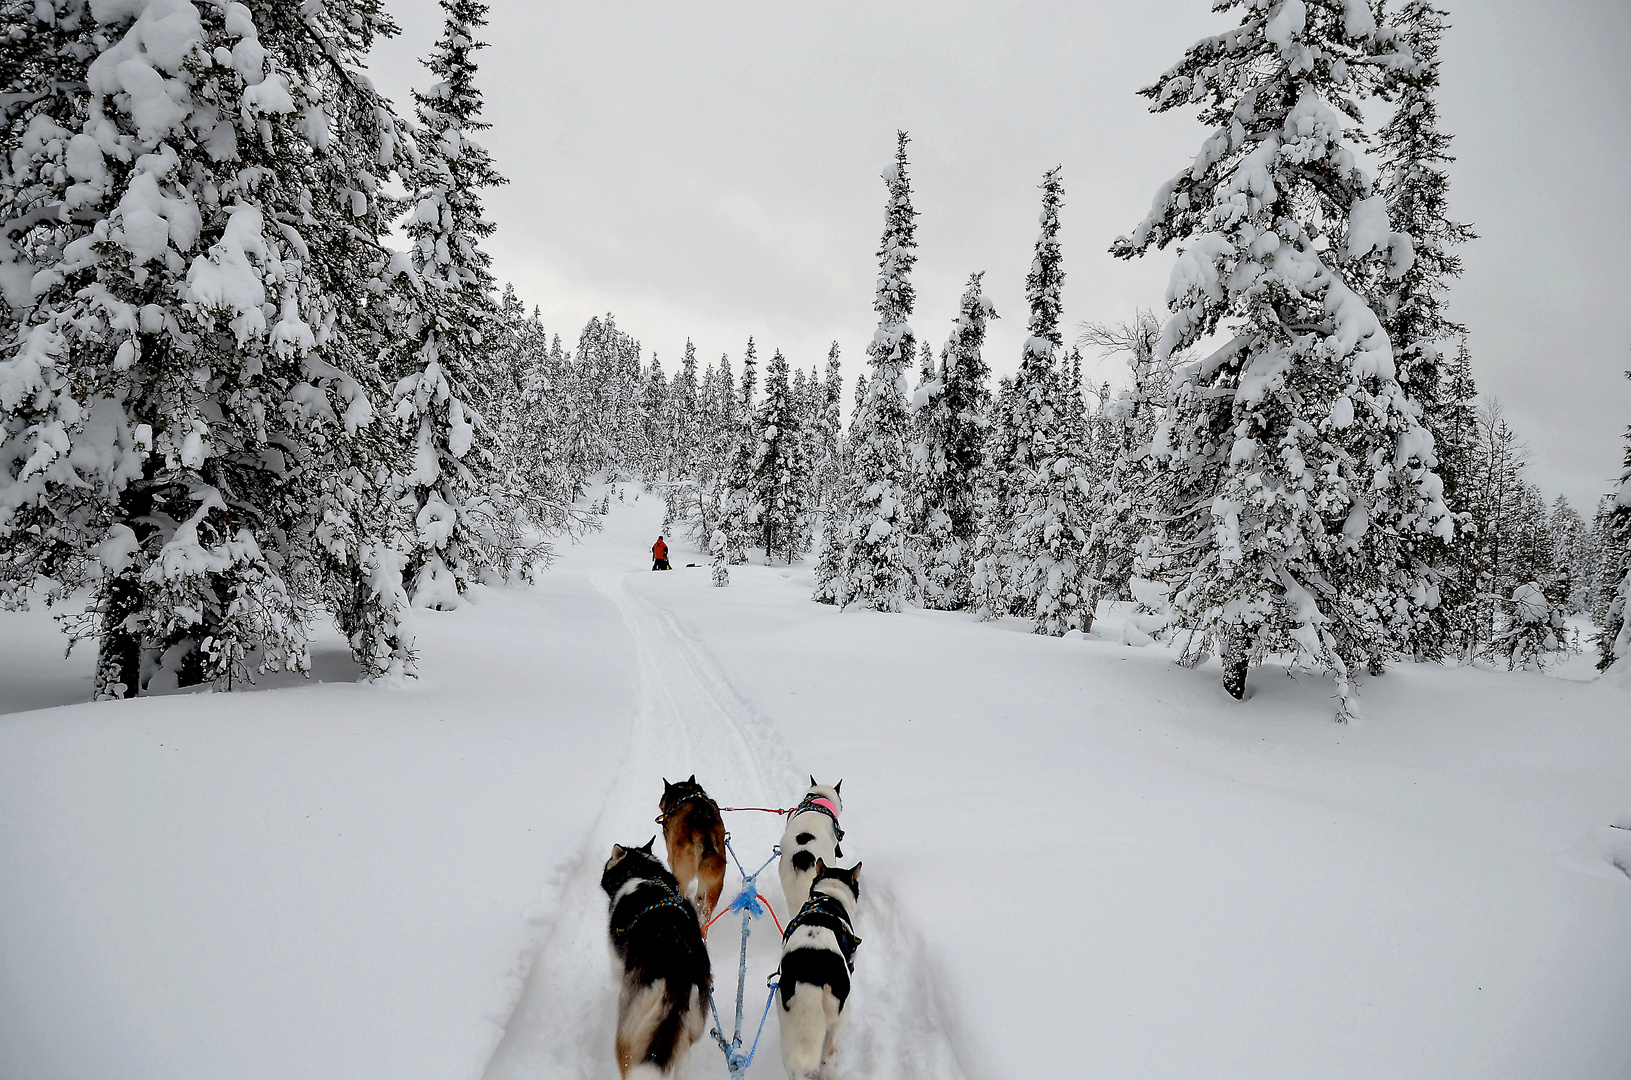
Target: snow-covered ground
1080	858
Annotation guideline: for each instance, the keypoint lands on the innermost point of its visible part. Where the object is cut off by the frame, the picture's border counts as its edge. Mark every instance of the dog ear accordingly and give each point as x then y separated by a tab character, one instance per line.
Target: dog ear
618	851
855	874
821	867
693	779
838	787
666	785
647	848
812	780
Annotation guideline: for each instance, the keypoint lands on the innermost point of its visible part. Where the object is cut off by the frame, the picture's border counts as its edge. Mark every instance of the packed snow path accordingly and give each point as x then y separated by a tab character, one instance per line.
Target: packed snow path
690	719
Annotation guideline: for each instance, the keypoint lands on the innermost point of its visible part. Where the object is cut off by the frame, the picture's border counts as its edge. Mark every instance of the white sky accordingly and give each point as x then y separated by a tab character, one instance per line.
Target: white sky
711	171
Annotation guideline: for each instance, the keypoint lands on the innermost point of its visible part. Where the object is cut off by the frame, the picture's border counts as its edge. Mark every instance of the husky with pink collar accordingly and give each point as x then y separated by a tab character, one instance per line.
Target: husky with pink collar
812	834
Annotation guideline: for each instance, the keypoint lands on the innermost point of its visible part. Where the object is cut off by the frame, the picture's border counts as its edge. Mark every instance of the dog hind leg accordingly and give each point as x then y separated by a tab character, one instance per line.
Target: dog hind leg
711	882
803	1027
693	1022
837	1016
684	865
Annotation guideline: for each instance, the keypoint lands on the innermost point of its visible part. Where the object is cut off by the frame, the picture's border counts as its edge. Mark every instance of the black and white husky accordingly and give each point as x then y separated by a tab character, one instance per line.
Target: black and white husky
812	833
818	955
662	1008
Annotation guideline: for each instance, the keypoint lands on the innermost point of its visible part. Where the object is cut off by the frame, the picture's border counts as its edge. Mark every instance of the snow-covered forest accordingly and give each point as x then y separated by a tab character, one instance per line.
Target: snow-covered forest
257	368
264	402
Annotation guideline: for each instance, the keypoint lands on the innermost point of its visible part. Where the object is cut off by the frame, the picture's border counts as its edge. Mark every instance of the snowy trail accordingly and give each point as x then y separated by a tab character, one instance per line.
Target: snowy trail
691	719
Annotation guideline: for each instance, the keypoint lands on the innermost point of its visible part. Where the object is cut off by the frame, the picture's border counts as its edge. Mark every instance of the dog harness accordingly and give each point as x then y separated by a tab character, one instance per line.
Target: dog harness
827	911
823	805
671	898
695	796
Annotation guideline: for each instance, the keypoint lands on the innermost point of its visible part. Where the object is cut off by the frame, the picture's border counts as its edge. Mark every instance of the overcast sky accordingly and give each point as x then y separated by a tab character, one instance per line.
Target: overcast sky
712	171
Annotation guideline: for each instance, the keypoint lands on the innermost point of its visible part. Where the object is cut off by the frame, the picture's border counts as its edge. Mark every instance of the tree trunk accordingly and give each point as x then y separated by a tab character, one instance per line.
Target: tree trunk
190	667
120	635
119	642
1237	658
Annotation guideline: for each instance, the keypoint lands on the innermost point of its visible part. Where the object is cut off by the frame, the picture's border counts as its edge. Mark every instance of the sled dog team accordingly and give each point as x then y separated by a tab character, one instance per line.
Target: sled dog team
658	917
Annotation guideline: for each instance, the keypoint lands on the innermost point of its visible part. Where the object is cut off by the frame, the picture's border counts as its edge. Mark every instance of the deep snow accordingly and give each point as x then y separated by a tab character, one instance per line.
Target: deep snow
1080	858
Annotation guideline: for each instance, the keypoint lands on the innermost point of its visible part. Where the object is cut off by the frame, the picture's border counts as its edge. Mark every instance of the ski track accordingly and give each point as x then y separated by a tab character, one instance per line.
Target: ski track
691	719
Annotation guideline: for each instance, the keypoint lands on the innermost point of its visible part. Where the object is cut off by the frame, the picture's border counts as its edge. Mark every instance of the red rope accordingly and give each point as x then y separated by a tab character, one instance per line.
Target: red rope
770	909
760	809
727	909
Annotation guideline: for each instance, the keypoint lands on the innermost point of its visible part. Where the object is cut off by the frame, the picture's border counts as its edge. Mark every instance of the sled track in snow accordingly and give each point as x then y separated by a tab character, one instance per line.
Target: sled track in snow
691	719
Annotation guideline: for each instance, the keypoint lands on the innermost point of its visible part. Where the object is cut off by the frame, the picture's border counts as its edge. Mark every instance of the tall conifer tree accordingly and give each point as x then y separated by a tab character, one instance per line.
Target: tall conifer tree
781	480
439	400
1415	189
1614	638
871	565
1298	464
951	450
194	198
1049	507
739	510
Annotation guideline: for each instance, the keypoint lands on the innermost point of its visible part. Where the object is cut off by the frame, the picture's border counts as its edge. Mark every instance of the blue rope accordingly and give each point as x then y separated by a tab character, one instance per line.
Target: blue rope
762	1018
748	903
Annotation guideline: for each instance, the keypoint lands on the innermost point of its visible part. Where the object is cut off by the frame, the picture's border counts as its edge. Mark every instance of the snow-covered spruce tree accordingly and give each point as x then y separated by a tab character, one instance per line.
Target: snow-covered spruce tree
452	474
872	534
1054	508
506	367
720	569
781	471
532	434
829	435
738	509
1500	504
1025	425
989	591
951	450
716	432
655	423
1035	506
1299	467
920	404
684	426
1572	572
603	428
1126	424
192	204
1458	452
1608	559
1532	630
830	547
1614	637
1605	559
1414	187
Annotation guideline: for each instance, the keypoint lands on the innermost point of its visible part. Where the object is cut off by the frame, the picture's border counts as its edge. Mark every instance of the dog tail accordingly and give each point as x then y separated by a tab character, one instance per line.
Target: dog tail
712	828
639	1020
804	1029
680	1026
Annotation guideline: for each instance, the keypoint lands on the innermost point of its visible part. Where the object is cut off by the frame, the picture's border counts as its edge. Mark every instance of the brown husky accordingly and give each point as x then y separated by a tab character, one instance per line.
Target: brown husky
694	834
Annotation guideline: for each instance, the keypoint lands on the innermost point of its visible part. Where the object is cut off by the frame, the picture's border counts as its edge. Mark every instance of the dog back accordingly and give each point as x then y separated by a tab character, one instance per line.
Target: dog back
666	975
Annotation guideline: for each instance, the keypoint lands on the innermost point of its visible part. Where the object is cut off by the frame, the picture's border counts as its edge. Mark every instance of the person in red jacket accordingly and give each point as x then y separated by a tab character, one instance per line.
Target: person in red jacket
659	555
